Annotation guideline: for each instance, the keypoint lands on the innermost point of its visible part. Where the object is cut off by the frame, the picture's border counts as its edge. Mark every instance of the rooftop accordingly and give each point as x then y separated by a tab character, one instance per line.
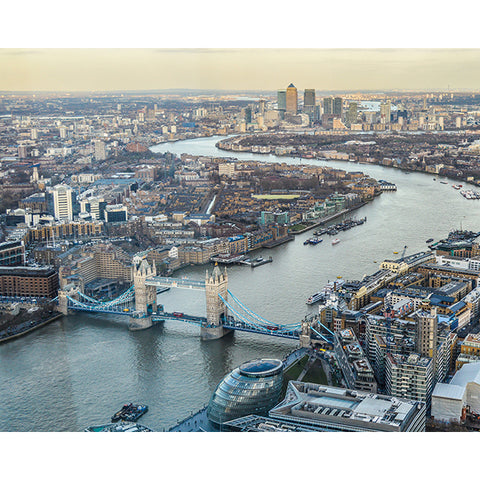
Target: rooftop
347	409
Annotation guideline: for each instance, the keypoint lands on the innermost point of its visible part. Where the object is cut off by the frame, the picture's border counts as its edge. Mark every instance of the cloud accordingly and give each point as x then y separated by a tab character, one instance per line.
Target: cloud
19	51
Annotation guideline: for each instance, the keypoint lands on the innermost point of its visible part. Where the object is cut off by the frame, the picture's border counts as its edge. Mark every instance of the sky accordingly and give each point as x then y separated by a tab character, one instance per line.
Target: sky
97	69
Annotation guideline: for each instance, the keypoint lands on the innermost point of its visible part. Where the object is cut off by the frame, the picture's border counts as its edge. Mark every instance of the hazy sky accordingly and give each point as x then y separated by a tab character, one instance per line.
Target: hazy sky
239	69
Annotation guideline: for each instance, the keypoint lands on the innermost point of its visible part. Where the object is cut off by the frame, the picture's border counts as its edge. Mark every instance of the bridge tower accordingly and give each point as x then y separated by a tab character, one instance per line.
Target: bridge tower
305	336
69	290
145	296
215	284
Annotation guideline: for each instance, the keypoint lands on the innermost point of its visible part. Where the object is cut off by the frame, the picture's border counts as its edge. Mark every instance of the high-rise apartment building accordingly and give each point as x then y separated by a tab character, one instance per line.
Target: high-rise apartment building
100	151
409	376
352	114
292	99
426	322
385	112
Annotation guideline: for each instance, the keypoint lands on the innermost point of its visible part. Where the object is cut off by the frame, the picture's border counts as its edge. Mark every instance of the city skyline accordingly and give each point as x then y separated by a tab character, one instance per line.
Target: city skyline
77	70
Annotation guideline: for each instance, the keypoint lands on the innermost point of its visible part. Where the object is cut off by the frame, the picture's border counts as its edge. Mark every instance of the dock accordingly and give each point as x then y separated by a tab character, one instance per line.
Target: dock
258	262
226	259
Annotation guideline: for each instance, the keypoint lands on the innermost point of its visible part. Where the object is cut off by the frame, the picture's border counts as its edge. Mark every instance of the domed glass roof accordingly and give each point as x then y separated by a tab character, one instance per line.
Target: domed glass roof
253	388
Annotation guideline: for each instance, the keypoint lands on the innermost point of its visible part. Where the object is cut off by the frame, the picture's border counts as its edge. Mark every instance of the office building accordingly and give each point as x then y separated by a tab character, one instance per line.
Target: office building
60	202
309	97
94	206
314	407
292	99
253	388
328	106
338	107
282	100
248	115
262	107
116	213
309	106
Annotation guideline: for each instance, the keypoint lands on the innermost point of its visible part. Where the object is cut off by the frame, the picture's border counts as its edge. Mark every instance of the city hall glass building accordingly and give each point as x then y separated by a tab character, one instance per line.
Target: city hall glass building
253	388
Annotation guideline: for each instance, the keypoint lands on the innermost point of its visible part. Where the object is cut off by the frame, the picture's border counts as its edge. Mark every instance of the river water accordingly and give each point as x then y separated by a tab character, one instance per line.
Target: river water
78	371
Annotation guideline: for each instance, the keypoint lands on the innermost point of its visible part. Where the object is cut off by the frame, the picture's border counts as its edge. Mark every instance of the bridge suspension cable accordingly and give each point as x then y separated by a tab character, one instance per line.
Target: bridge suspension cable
242	317
259	318
125	296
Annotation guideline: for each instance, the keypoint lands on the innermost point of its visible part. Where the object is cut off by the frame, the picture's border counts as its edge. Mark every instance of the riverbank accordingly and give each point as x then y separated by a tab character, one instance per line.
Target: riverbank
25	328
325	220
271	150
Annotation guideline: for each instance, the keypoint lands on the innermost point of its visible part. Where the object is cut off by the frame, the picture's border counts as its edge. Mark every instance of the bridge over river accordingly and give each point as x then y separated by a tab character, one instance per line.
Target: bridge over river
224	311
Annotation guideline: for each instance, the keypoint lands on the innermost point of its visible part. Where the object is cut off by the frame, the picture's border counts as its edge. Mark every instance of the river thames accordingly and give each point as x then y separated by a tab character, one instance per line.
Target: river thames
78	371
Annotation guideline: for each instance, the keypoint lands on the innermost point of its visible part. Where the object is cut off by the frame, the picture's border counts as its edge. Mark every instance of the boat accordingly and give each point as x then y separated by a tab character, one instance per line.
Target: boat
316	297
339	276
396	253
335	241
313	241
430	240
445	183
130	412
118	427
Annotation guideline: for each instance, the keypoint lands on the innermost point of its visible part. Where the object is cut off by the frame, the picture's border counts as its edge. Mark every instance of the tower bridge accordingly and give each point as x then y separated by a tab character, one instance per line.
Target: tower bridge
224	311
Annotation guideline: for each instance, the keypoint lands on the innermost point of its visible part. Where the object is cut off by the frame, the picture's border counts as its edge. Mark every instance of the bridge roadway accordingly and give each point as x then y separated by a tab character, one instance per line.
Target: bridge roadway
231	324
175	283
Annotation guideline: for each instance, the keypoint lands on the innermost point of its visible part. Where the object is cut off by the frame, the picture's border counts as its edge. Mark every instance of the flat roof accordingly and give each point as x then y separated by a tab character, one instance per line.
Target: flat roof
345	408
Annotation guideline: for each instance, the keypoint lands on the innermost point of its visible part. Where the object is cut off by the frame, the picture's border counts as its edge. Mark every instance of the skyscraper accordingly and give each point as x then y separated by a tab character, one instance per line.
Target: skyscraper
100	152
309	97
282	100
261	107
292	99
309	103
352	113
328	106
426	331
385	111
338	106
248	114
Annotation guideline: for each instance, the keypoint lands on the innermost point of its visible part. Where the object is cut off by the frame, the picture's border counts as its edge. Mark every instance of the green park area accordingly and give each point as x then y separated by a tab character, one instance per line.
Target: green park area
316	374
294	371
275	197
300	226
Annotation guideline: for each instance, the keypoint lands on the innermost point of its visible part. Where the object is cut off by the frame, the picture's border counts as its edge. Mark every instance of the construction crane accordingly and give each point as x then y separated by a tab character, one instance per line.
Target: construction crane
403	253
